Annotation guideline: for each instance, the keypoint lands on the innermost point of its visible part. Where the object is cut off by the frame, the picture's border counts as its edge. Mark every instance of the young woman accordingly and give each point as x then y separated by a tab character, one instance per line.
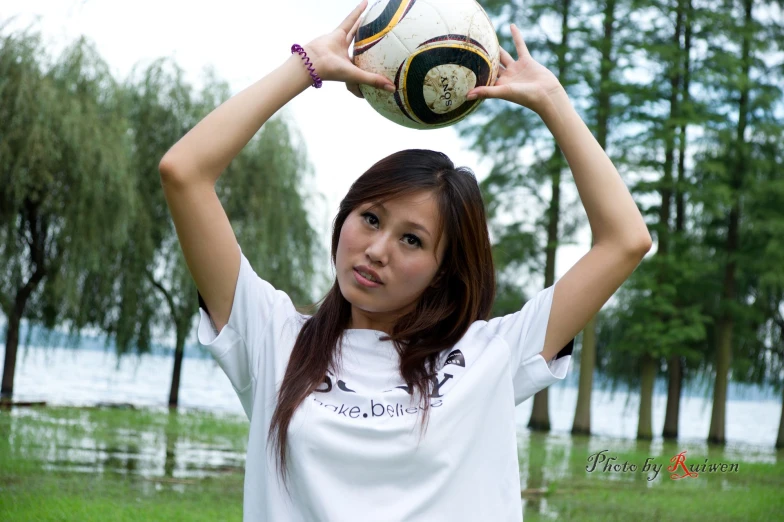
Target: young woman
402	340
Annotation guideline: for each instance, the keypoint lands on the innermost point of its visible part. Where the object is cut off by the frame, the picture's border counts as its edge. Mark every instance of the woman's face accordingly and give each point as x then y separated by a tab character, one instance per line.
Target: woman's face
386	240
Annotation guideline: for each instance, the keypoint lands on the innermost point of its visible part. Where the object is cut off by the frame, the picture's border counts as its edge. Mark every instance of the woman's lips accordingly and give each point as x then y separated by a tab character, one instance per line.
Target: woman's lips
365	282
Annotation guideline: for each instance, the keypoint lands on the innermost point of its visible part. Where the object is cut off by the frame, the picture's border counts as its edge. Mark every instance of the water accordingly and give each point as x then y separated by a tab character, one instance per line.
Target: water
170	453
78	377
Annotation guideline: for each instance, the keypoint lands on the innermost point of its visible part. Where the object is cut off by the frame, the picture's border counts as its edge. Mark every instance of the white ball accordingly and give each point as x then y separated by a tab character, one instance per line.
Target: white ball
435	51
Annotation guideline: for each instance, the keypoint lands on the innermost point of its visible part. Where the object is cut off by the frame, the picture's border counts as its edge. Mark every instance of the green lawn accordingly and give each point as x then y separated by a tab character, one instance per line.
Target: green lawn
109	464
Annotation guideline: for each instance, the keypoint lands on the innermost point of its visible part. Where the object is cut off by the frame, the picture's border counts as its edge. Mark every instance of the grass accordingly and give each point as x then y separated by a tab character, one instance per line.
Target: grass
559	465
63	464
108	464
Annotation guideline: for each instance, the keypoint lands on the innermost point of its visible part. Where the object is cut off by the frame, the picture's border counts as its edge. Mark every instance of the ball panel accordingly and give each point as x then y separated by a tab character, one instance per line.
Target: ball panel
371	33
467	18
445	87
385	59
452	87
421	24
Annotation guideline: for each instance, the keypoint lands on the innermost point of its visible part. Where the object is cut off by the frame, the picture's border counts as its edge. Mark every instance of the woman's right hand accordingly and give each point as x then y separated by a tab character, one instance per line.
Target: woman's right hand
329	54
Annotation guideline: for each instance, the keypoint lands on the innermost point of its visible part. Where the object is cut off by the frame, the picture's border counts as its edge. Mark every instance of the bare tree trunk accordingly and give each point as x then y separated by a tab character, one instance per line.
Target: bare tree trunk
540	415
670	430
780	438
38	233
179	352
648	374
582	412
9	365
723	357
725	327
171	433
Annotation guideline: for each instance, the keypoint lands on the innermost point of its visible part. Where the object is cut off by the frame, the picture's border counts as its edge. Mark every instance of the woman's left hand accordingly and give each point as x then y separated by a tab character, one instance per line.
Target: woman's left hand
525	81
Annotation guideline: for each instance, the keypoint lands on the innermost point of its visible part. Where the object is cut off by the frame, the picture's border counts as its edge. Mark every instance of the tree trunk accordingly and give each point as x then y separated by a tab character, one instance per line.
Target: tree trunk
648	373
780	438
723	358
38	233
727	319
179	351
179	348
724	338
171	433
540	414
582	412
670	430
9	365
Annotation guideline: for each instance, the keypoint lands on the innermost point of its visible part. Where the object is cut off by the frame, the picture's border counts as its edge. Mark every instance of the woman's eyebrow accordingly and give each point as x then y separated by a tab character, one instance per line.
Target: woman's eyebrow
415	226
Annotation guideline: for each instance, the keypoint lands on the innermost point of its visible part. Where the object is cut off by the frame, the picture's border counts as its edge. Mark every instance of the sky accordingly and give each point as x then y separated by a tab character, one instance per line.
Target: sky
243	41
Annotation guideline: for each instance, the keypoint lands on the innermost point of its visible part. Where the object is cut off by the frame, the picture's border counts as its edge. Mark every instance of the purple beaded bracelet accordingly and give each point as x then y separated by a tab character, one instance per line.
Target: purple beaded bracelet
302	54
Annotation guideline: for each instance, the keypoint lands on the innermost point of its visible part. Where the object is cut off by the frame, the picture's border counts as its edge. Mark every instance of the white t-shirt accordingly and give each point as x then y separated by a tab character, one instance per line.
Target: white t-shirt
354	445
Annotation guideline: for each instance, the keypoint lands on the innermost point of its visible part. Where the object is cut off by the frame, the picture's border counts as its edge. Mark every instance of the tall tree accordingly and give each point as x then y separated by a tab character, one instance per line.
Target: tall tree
654	113
161	107
734	151
66	200
681	118
602	90
260	190
527	163
672	58
758	347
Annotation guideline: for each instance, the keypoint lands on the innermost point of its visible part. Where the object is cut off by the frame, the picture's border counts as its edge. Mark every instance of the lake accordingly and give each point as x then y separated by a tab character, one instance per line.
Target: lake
62	376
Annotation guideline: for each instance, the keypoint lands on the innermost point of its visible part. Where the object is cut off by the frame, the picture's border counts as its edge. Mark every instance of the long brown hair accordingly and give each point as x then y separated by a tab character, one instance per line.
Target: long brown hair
463	291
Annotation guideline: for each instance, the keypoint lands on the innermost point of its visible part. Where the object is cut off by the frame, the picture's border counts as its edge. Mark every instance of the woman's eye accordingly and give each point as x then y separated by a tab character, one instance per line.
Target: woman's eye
416	242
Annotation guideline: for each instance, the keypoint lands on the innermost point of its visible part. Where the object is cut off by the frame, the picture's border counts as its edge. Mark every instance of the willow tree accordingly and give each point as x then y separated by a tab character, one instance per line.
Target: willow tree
161	107
66	200
261	191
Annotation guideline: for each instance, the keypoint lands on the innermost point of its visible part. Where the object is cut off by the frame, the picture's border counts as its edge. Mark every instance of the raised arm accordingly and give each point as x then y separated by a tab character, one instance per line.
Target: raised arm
191	167
621	237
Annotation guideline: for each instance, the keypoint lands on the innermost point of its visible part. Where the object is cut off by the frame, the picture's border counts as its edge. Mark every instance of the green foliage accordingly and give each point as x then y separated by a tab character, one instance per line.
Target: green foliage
675	103
264	192
67	197
86	238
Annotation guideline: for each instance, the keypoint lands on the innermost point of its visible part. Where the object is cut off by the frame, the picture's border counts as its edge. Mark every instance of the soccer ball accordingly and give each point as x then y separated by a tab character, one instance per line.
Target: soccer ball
435	51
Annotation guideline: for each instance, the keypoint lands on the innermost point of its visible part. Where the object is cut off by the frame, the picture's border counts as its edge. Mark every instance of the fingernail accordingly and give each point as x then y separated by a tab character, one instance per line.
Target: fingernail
389	88
471	96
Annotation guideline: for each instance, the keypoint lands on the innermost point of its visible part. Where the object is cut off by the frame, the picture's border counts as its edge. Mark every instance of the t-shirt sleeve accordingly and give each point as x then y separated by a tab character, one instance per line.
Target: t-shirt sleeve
524	332
247	347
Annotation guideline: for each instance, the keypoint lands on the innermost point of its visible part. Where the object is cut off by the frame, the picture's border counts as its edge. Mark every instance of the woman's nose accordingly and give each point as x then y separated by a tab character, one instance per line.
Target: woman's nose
378	249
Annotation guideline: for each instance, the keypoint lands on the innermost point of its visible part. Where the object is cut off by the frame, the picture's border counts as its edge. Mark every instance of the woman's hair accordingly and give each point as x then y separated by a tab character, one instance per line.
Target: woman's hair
463	291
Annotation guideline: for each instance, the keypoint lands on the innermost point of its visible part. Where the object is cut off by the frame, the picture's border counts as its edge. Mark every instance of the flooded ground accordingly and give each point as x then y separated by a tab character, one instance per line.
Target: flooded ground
142	462
82	460
67	377
147	444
